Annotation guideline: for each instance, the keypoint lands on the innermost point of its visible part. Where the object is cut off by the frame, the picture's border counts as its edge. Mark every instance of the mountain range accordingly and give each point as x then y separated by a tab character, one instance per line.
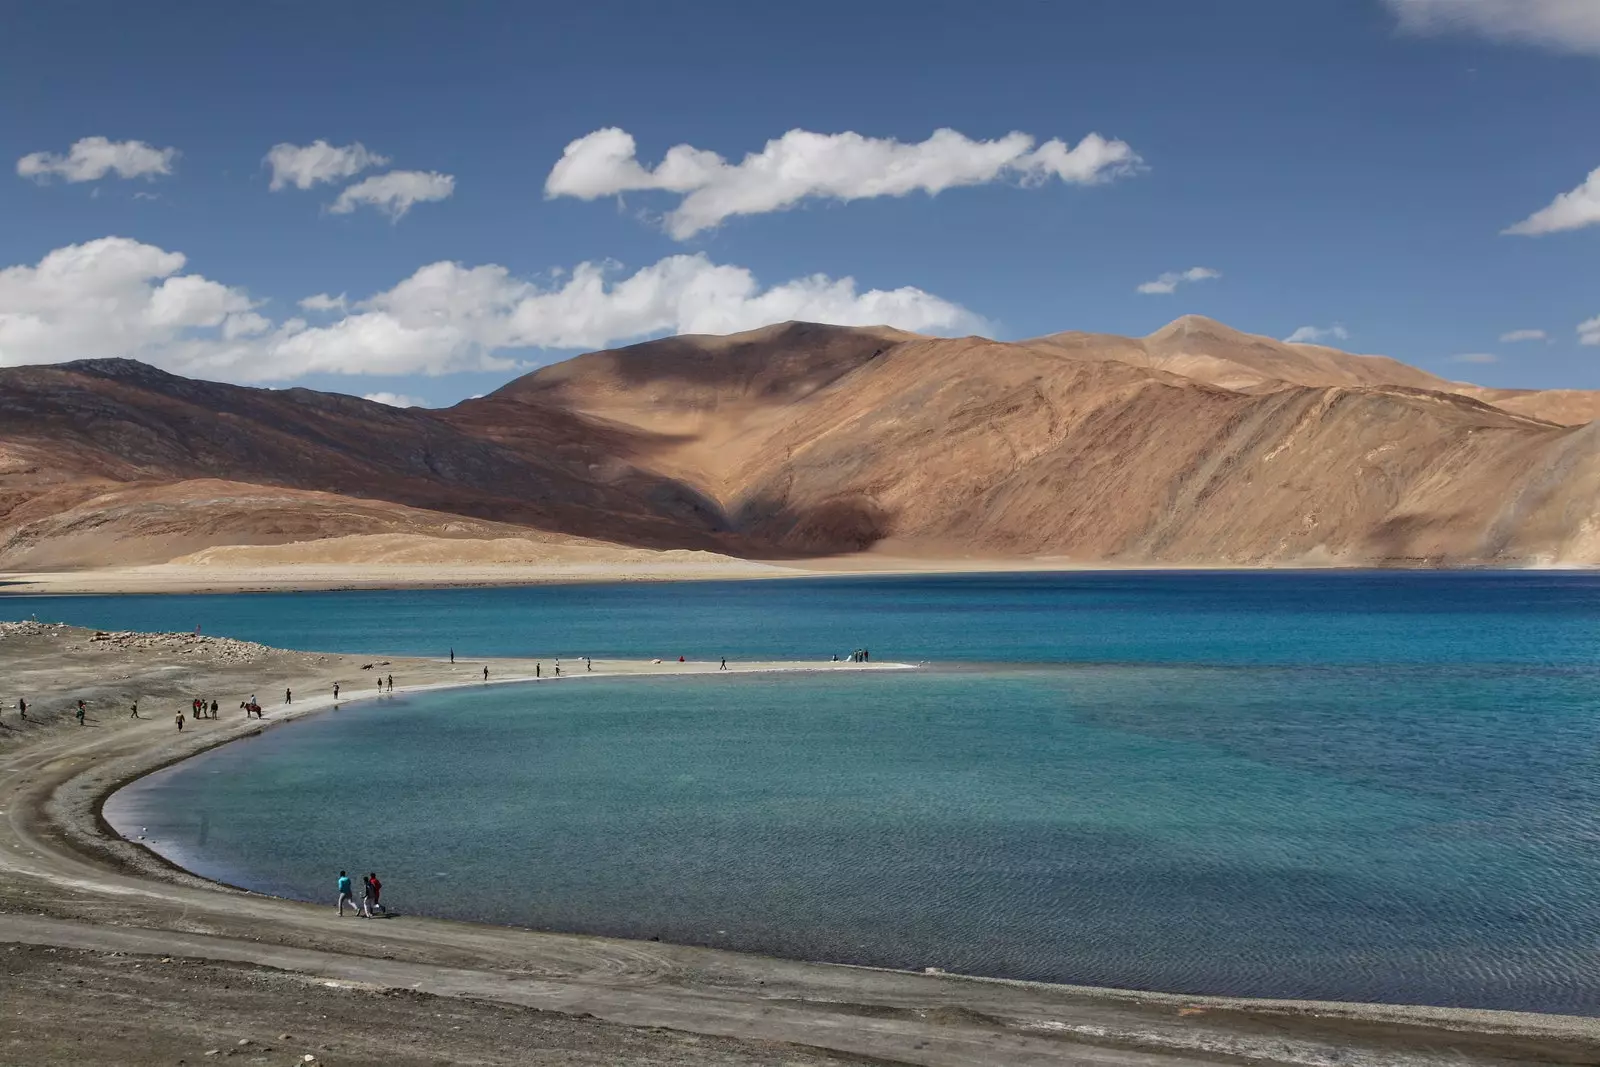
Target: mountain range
1198	444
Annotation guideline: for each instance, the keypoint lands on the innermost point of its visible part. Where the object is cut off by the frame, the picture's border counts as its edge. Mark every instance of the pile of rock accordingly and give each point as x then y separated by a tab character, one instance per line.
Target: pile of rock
226	649
32	628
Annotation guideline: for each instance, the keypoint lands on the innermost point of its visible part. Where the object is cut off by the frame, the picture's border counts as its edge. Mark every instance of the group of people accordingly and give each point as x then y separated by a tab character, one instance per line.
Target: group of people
371	895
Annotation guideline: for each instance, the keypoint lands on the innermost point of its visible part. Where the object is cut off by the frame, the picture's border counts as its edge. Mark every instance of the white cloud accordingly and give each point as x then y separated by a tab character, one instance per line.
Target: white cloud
395	192
1475	357
93	158
303	166
1566	25
801	165
1589	331
1315	335
111	297
448	317
1522	335
324	302
244	324
118	297
1572	210
1169	282
394	400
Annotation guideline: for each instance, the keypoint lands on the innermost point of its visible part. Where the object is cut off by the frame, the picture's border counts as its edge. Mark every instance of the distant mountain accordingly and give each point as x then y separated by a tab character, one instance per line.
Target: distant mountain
1197	444
107	460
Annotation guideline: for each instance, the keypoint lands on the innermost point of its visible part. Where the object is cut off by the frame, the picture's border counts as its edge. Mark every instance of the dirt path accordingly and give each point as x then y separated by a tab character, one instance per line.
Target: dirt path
66	884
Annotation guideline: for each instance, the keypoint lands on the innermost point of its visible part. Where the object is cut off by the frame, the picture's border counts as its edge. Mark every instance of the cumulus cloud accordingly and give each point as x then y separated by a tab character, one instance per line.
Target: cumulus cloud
1572	210
92	158
111	297
324	302
244	324
448	316
1169	282
119	297
394	400
1522	335
303	166
1567	25
1589	331
1475	357
1316	335
802	165
396	192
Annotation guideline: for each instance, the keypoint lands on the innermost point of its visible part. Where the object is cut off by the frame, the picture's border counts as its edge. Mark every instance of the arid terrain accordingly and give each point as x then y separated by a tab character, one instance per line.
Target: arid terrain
110	955
797	444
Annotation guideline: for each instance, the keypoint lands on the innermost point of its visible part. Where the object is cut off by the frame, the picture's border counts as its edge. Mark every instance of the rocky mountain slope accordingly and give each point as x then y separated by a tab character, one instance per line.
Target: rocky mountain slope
1197	444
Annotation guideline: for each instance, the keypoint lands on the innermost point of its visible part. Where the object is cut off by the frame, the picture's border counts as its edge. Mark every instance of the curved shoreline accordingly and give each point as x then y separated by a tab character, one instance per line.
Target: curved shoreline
321	705
866	1011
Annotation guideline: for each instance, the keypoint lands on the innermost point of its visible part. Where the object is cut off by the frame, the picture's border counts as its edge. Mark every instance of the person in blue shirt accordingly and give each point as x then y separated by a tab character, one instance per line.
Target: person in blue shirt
344	895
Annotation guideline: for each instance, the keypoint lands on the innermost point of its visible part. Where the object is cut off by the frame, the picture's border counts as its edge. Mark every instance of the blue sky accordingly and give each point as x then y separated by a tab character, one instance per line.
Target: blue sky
1344	165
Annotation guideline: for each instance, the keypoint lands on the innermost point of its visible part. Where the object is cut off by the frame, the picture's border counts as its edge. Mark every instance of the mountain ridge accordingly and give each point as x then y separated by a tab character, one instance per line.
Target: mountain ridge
1194	444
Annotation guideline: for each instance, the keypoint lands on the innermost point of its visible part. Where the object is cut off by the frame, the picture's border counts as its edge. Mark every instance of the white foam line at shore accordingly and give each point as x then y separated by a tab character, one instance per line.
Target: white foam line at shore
694	672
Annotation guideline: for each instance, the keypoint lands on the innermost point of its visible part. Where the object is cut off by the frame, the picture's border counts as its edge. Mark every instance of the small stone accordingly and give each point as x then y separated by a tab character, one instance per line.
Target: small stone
213	1052
244	1041
285	1037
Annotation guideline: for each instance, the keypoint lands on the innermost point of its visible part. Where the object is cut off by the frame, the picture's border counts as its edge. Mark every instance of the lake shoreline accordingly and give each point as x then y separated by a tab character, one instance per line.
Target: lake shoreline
55	781
171	578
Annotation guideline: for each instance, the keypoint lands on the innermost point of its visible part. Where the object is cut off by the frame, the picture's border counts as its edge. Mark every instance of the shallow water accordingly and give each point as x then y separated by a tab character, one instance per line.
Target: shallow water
1369	787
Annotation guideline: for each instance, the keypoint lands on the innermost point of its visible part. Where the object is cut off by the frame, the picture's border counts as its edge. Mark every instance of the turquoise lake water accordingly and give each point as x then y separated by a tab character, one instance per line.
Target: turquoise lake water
1352	786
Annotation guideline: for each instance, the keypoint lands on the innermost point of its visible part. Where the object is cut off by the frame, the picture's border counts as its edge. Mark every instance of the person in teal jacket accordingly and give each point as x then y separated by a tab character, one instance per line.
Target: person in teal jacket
344	895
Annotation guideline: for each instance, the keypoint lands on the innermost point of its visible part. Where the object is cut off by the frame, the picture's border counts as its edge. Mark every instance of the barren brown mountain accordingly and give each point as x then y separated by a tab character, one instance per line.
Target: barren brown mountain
1195	445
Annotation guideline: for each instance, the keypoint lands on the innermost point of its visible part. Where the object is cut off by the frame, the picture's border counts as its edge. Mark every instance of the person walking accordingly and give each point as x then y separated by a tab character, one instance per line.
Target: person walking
288	697
538	670
214	707
22	708
80	713
391	683
179	717
344	895
336	690
133	713
452	656
486	674
724	664
377	891
588	664
366	896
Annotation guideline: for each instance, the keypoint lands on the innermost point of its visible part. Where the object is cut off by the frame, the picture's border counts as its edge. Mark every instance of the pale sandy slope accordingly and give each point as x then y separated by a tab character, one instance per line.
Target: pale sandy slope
400	561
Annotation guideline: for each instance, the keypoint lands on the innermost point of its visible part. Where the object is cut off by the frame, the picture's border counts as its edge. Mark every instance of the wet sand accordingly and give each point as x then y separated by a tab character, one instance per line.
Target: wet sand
153	960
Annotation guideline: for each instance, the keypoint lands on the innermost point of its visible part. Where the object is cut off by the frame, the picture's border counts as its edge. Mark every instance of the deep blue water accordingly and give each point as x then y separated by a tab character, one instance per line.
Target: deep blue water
1312	618
1353	786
